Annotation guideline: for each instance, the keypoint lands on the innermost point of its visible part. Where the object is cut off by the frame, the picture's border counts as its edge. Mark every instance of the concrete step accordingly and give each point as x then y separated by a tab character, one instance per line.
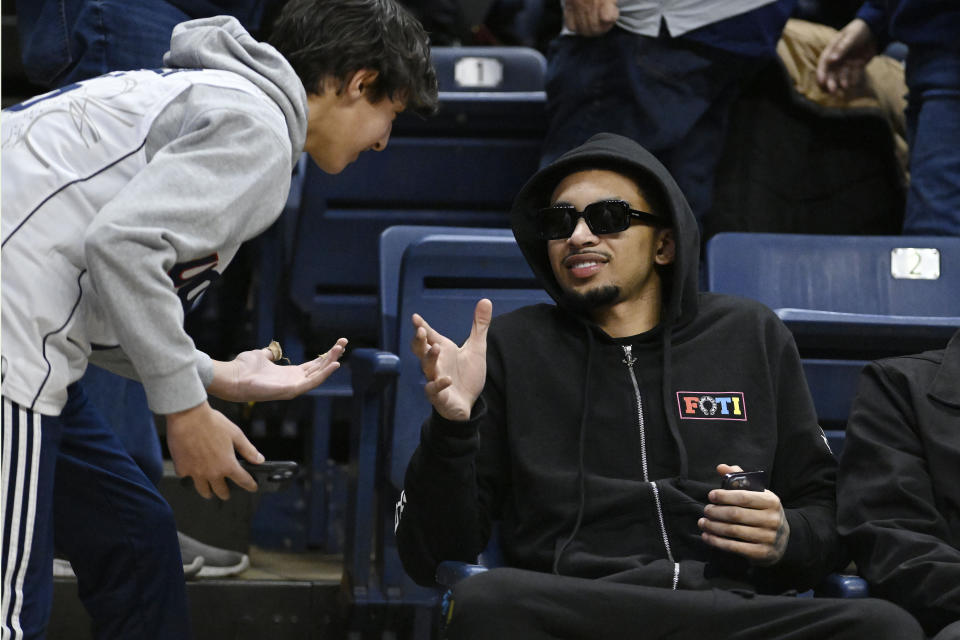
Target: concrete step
281	595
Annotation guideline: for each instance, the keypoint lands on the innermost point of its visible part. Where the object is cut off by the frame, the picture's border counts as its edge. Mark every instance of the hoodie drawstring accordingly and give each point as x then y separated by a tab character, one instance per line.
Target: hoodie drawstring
668	400
581	476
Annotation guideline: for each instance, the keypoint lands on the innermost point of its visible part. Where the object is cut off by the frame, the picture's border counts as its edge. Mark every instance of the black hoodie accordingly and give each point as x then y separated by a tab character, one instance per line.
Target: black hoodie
596	459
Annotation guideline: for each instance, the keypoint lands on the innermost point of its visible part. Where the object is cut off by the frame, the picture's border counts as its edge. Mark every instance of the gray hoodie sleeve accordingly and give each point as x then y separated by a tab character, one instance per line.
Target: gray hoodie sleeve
222	179
116	361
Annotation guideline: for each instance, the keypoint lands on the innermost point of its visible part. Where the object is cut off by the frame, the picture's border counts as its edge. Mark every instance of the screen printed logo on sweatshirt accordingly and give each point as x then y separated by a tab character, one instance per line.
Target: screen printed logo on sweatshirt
712	405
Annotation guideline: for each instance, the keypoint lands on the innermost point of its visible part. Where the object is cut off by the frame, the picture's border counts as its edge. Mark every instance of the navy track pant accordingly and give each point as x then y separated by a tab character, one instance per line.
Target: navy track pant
68	482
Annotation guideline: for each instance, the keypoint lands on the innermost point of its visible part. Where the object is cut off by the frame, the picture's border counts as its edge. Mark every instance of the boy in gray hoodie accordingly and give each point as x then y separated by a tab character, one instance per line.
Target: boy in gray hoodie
123	198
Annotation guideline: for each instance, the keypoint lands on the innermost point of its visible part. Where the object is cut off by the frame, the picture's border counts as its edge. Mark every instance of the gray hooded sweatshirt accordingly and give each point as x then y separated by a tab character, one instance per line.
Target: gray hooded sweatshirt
125	196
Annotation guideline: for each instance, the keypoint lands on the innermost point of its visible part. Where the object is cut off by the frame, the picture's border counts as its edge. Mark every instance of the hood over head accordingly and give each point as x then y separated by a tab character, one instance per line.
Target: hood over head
220	42
623	155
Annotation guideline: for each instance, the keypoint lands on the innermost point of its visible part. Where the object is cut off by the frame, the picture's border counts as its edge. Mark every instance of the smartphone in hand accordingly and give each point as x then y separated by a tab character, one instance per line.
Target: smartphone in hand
271	475
745	480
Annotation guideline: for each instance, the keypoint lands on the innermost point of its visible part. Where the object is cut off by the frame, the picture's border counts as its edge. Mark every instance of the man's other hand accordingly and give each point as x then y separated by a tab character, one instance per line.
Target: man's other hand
202	442
455	375
842	61
590	17
750	523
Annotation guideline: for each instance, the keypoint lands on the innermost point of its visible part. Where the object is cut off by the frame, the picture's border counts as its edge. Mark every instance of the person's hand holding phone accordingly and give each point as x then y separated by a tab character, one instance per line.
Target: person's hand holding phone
748	520
271	475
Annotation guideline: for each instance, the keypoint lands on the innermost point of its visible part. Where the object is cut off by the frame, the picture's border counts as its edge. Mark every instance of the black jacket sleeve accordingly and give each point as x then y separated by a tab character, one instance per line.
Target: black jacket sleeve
804	478
888	515
453	486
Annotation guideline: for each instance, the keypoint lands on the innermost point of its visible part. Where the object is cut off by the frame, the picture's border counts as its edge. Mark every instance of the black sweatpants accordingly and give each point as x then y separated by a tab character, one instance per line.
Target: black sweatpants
503	604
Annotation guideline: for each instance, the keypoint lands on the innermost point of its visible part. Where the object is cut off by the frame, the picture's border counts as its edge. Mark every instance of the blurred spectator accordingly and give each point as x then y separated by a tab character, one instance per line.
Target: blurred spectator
930	30
479	22
833	13
662	73
63	41
883	86
899	485
800	160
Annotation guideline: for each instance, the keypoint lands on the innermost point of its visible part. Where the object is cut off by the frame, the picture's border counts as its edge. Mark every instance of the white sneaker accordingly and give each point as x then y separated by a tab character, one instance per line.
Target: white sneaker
63	569
217	563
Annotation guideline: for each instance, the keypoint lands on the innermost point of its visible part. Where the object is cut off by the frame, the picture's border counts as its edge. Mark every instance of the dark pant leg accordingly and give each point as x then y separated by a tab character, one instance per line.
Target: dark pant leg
113	35
504	604
949	632
933	130
123	404
672	97
29	445
117	531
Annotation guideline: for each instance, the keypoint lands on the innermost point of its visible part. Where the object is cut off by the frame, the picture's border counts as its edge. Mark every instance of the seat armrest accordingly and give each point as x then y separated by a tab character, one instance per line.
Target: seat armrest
371	371
450	572
839	332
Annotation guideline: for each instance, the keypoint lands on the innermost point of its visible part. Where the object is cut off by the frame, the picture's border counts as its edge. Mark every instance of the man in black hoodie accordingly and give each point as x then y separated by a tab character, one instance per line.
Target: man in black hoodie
604	426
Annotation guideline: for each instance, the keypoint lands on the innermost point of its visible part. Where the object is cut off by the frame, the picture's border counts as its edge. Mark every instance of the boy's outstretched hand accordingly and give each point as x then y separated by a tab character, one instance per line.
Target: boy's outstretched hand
253	376
455	375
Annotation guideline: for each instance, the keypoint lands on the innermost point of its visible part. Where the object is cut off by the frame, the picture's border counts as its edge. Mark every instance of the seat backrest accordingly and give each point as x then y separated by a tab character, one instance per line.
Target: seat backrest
855	296
442	278
890	275
847	299
489	69
498	91
394	242
440	274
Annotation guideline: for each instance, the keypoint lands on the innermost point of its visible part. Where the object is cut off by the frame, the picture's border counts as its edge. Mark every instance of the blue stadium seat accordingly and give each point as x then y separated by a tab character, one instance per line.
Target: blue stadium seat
846	294
847	299
439	273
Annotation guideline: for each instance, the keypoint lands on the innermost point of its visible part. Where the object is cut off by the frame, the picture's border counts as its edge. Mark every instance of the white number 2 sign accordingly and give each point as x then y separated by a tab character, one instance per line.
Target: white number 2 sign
915	264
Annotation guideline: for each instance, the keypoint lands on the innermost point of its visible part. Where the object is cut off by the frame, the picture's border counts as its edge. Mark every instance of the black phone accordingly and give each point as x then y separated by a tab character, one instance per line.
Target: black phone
271	475
745	480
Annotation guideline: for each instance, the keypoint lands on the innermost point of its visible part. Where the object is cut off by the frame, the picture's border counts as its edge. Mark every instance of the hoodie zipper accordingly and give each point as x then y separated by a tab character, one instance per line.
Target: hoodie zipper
629	360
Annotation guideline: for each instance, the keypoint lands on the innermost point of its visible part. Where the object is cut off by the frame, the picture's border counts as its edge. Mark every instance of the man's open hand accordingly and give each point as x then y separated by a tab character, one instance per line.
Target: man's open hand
455	375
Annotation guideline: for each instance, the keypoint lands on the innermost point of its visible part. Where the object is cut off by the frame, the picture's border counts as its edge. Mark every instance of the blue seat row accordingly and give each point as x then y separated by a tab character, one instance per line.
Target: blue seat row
847	300
441	273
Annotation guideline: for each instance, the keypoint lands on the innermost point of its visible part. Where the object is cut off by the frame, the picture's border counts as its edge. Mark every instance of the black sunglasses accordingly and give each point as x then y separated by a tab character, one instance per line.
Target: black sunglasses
605	216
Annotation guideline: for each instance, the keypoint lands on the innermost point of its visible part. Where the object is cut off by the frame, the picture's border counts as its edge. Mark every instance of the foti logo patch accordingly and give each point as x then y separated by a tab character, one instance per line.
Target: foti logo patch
712	405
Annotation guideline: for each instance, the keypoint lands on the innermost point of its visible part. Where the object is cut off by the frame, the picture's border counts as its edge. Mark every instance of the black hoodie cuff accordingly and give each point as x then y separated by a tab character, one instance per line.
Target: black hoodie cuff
454	438
797	568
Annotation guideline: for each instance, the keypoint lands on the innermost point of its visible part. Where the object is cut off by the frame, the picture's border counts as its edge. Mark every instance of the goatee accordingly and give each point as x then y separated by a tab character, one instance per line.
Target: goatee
586	303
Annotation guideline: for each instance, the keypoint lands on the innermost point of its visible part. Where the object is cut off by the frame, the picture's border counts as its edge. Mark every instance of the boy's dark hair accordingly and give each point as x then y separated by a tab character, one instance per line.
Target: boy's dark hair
335	38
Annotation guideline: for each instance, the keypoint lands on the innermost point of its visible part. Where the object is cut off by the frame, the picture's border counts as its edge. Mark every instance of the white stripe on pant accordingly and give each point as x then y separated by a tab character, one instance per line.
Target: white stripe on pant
27	424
